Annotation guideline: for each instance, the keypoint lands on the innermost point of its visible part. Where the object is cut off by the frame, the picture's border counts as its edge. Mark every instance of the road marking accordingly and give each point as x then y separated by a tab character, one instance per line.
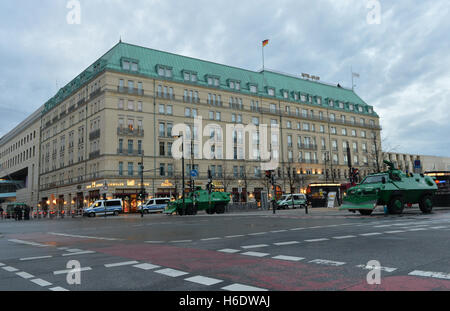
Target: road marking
395	231
154	242
278	231
371	234
146	266
28	243
210	239
171	272
386	269
63	248
438	227
327	262
79	253
417	229
255	254
437	275
74	250
242	288
58	289
229	251
84	236
72	270
297	229
316	240
2	264
119	264
10	269
25	275
181	241
235	236
382	226
289	258
203	280
254	246
41	282
258	233
344	237
286	243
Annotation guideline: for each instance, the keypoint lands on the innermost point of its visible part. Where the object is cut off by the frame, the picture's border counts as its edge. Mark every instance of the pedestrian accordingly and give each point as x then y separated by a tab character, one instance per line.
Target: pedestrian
1	212
27	213
20	209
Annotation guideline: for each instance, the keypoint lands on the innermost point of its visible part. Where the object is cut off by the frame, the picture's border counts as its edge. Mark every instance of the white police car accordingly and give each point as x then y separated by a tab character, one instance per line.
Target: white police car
157	205
104	207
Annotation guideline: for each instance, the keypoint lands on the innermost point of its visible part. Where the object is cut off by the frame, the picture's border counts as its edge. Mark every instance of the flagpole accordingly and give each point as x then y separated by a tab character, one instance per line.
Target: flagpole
263	55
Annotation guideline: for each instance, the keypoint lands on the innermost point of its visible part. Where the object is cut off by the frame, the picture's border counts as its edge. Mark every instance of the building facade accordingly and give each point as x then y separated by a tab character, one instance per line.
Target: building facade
95	132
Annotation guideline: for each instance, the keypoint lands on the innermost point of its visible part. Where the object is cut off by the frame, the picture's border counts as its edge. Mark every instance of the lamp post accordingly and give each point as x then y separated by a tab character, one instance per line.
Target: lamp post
182	169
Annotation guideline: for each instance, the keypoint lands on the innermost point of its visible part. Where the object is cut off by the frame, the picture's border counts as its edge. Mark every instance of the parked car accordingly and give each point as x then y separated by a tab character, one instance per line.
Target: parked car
104	207
157	205
292	201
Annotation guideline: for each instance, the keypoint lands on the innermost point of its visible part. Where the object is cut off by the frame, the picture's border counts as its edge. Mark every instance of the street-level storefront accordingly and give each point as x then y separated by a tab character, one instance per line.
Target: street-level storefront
129	198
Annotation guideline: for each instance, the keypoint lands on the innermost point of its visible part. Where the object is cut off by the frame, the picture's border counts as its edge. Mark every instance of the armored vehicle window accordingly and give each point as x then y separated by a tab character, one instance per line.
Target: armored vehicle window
373	179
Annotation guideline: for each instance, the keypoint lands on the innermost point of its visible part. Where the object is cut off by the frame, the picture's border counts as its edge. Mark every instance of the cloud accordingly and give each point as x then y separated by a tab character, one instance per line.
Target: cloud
403	62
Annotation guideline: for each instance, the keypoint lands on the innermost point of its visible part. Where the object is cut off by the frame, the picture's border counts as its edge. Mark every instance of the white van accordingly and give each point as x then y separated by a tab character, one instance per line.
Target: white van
104	207
156	205
292	201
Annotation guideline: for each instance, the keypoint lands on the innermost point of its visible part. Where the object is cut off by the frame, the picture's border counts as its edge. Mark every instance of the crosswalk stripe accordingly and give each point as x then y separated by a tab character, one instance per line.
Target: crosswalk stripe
203	280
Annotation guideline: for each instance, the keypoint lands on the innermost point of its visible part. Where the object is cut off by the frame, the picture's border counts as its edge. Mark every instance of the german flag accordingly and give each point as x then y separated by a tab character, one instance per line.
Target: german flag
265	42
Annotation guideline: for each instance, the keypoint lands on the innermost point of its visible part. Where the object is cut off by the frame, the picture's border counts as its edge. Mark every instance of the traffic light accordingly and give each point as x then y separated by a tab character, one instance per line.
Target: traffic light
269	175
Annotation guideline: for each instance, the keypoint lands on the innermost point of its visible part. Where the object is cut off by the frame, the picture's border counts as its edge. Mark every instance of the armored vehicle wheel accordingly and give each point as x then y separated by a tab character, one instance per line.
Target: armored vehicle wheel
220	209
209	211
426	204
396	205
365	212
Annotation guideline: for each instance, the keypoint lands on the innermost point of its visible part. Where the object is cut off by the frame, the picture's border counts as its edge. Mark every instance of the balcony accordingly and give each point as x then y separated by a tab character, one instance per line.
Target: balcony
81	102
94	154
307	146
95	93
125	131
131	153
94	135
72	108
132	91
308	161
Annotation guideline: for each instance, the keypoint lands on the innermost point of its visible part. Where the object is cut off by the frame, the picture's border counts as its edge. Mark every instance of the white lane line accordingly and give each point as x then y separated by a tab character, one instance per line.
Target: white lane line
371	234
255	254
25	275
395	231
74	250
2	264
10	269
289	258
72	270
430	274
210	239
297	229
344	237
386	269
278	231
79	253
154	242
254	246
286	243
58	289
28	243
316	240
327	262
146	266
41	282
229	251
382	226
84	236
242	288
63	248
203	280
234	236
438	227
171	272
119	264
258	233
418	229
181	241
35	258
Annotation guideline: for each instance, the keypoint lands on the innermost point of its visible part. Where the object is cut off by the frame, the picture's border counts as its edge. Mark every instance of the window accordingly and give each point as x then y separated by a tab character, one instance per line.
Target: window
322	129
169	129
344	132
130	146
187	112
120	105
120	168
273	108
363	134
218	116
162	151
134	66
126	65
161	109
130	169
354	133
333	130
289	124
255	120
139	106
253	89
162	130
271	91
194	113
130	105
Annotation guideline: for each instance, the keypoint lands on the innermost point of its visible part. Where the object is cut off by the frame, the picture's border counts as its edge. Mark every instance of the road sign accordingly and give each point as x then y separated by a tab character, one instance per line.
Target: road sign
194	173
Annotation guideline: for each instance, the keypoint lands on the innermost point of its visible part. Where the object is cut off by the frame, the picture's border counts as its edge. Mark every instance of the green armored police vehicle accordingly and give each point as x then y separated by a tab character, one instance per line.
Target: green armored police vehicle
200	200
393	189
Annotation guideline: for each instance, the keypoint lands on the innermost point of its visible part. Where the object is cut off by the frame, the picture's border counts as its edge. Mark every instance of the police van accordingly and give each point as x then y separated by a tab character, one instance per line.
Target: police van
104	207
157	205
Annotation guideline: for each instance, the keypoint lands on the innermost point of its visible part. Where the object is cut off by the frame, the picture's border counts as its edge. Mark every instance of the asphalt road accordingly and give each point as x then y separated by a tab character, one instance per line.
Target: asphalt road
326	250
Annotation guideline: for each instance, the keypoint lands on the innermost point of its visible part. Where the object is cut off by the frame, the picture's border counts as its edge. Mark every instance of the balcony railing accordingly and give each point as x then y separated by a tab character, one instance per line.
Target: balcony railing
125	131
94	135
128	90
307	146
94	154
128	152
95	93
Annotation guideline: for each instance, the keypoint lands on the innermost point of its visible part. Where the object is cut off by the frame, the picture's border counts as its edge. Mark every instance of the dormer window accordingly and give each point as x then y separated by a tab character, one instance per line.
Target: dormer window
164	71
285	94
253	88
341	105
134	66
126	65
212	80
331	103
303	98
231	84
295	96
351	107
360	109
189	76
271	91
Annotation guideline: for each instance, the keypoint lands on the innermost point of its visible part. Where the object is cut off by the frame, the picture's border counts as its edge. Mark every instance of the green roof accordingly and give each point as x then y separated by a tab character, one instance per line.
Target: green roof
149	59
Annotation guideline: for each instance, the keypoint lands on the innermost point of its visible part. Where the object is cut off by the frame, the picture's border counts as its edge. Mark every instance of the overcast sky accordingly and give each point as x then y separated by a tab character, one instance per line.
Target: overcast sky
401	54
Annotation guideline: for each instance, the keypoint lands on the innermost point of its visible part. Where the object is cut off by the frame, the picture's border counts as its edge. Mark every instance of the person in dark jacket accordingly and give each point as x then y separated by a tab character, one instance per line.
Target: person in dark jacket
1	212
